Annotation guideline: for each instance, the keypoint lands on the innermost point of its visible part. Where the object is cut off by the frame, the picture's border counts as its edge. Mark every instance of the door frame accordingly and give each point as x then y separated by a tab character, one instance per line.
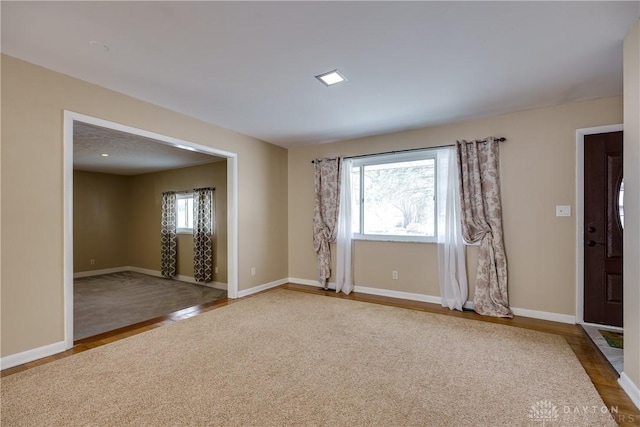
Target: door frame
232	204
580	134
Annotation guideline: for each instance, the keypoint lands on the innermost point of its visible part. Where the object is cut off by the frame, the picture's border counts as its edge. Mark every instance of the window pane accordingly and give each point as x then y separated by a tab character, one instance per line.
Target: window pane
399	198
621	203
184	212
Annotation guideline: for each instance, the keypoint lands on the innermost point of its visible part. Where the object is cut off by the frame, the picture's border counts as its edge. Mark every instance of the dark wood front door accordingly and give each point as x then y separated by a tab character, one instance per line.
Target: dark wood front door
603	229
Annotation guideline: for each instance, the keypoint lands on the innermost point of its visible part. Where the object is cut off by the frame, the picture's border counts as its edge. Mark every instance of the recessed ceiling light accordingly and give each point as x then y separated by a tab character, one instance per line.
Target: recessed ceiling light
331	78
104	155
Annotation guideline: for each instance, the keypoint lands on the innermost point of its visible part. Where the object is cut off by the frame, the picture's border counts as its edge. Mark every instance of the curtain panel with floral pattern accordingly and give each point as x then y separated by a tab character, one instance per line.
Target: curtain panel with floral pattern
325	214
481	209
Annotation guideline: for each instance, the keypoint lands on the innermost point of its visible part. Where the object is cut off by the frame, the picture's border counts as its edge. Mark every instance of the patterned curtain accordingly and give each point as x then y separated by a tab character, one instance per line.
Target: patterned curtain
202	234
325	214
479	181
168	235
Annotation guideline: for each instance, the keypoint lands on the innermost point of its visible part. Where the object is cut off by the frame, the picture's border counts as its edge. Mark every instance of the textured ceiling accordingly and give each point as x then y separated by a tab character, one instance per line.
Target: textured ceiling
250	66
128	154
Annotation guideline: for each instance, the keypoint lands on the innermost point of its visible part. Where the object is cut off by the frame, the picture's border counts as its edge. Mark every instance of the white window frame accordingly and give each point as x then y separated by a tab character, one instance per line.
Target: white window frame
380	159
183	196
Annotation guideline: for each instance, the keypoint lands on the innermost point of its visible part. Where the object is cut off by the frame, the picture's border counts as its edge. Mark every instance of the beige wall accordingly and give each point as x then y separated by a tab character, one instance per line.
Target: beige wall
538	173
116	218
632	204
33	101
100	221
146	203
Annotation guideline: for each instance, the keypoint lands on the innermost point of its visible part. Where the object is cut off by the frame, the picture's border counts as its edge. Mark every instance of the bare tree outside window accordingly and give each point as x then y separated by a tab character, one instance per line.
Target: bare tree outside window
396	198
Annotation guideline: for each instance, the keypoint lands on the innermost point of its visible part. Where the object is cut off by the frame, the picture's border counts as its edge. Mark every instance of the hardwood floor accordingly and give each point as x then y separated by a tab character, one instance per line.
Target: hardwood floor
601	373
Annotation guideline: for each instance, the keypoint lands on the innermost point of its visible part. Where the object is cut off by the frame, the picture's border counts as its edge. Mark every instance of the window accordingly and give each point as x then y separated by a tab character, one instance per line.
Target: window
621	203
184	213
395	197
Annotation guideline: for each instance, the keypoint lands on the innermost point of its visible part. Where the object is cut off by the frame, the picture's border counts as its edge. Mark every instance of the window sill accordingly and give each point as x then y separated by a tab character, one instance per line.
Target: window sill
394	239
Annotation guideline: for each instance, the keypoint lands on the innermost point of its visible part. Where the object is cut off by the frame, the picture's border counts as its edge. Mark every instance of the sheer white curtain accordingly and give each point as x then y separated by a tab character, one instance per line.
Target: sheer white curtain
451	251
344	272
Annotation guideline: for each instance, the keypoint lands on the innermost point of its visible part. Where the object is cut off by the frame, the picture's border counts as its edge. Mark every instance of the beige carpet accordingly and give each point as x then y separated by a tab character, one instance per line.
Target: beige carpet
290	358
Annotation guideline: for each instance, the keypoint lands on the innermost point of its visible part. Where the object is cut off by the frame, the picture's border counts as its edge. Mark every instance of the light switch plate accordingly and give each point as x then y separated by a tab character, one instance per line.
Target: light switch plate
562	210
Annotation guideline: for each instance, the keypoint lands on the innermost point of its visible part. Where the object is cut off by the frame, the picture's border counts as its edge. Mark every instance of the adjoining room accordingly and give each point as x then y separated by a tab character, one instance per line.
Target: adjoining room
121	183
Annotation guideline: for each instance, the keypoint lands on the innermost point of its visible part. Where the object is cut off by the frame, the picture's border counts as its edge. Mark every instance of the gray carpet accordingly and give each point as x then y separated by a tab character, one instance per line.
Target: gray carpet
111	301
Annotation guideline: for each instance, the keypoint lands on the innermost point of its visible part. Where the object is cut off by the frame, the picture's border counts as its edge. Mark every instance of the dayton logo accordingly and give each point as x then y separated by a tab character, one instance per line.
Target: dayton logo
544	411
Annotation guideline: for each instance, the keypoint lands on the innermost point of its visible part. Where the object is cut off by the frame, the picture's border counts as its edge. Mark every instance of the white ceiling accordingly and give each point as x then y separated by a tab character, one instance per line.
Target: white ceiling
128	154
250	66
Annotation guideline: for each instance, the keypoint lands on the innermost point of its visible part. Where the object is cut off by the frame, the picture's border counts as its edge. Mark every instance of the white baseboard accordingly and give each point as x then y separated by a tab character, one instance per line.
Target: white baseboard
544	315
630	388
190	279
397	294
308	282
148	272
216	285
31	355
260	288
100	272
524	312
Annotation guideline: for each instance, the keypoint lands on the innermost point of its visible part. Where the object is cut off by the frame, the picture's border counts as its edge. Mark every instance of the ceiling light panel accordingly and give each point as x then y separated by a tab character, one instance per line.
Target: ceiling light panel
331	78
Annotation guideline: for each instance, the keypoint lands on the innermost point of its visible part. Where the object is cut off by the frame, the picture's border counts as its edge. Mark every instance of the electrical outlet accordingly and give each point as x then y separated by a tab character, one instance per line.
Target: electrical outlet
253	271
92	262
394	275
563	210
216	270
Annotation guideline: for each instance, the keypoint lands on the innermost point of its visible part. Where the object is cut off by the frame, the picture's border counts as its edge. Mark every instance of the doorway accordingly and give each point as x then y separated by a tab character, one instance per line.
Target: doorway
603	225
232	197
581	231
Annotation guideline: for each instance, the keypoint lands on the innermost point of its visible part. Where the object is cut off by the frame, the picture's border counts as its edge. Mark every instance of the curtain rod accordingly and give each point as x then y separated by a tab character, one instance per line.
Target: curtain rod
501	139
191	191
